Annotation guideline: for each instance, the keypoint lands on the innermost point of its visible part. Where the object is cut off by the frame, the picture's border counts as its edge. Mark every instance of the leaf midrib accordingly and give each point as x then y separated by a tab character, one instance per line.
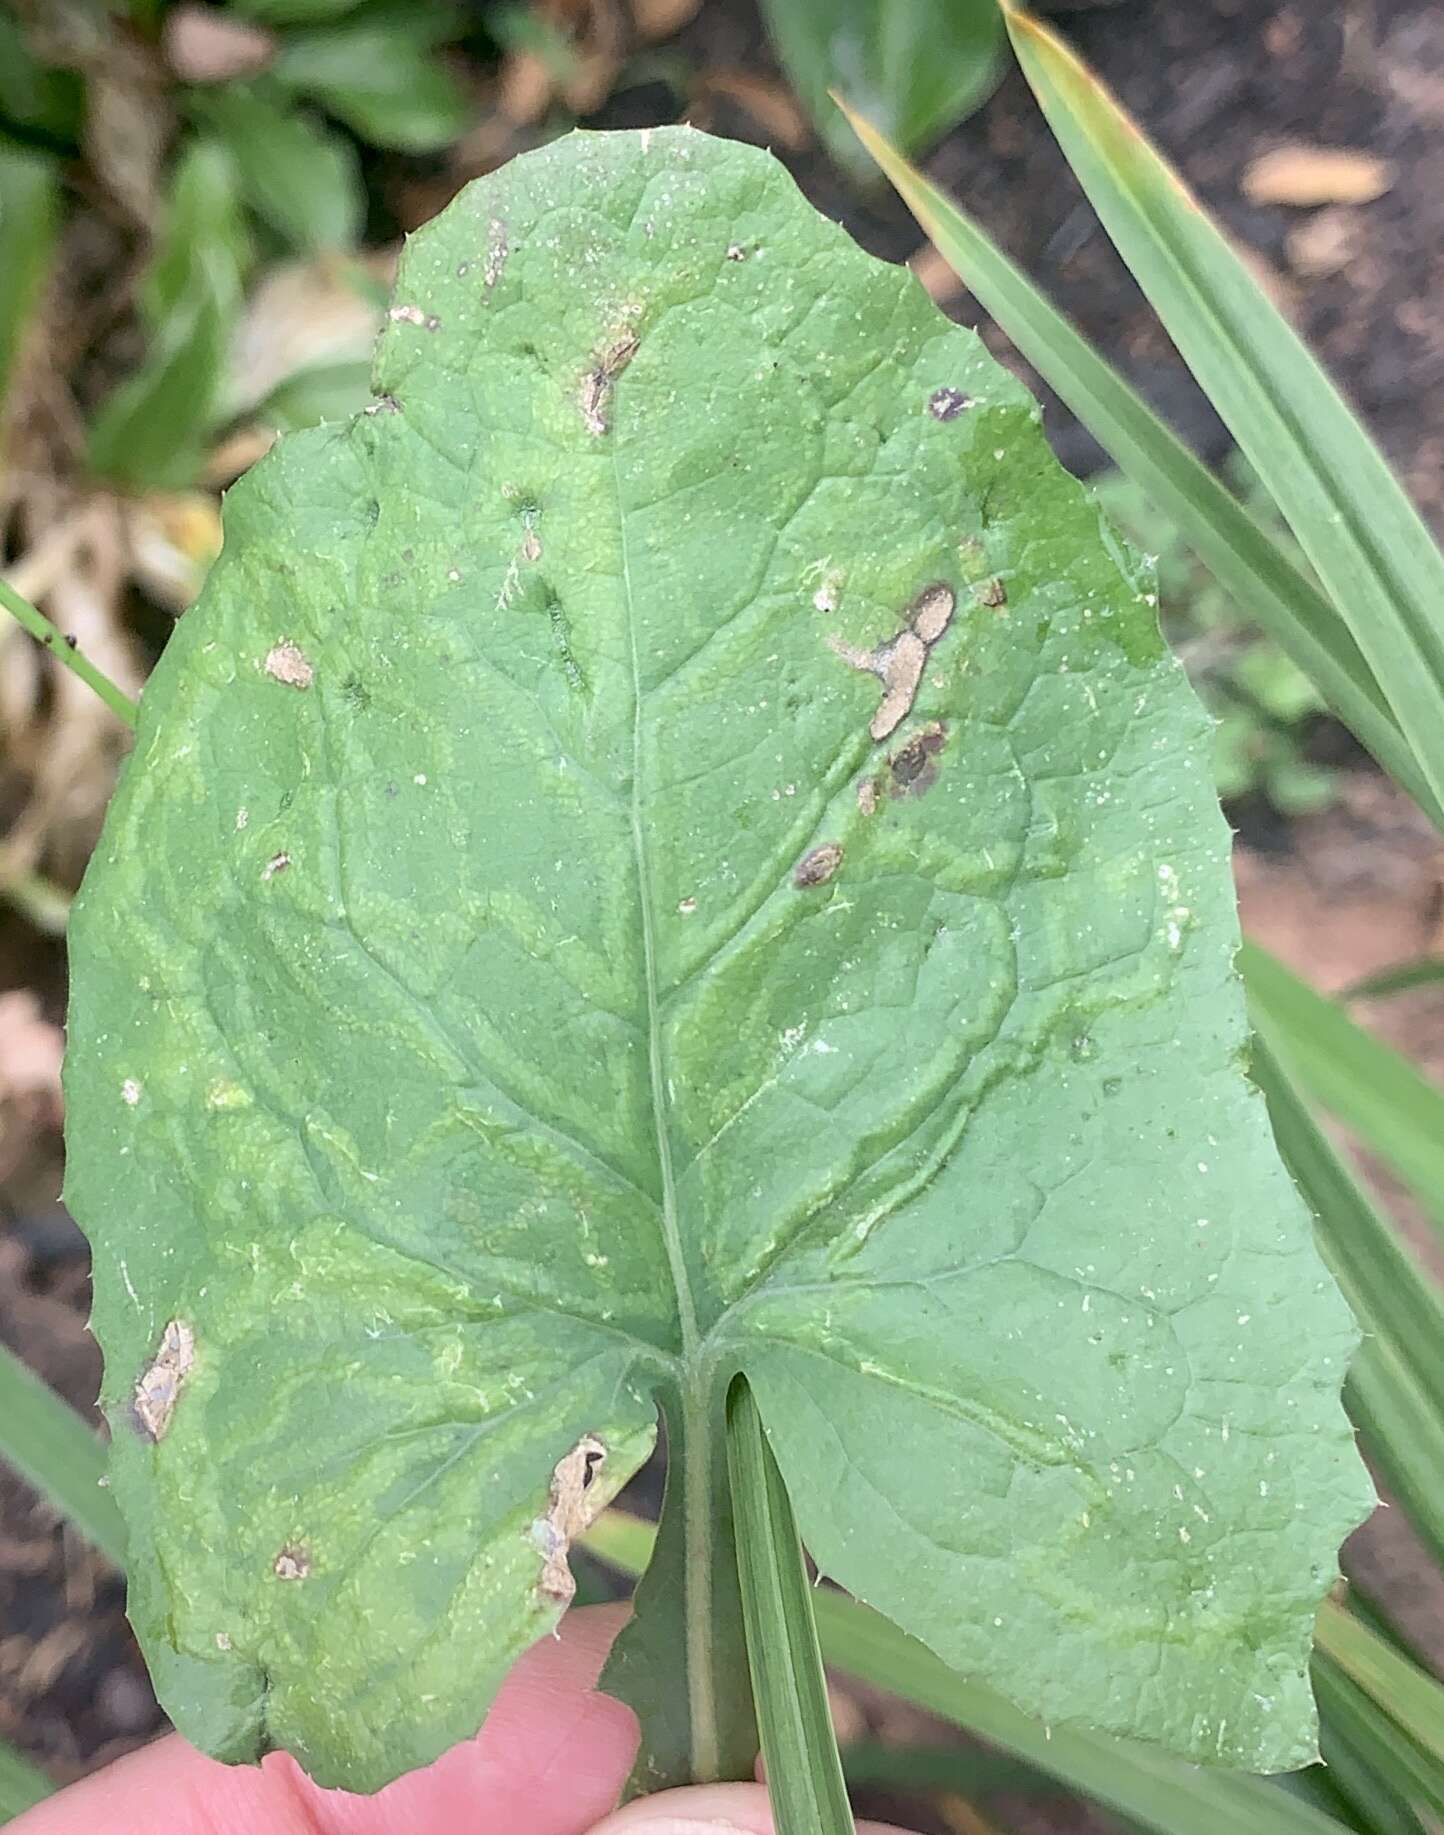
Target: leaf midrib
695	1424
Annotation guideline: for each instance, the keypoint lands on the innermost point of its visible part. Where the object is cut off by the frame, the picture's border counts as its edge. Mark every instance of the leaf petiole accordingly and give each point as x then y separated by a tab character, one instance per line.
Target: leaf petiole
804	1772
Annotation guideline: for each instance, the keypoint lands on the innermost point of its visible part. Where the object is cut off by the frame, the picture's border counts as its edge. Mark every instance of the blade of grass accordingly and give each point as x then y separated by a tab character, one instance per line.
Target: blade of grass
22	1784
1245	560
1368	1085
1412	1699
1352	1719
804	1773
1151	1787
1397	1303
1405	1433
40	627
46	905
1368	545
1428	972
45	1438
29	219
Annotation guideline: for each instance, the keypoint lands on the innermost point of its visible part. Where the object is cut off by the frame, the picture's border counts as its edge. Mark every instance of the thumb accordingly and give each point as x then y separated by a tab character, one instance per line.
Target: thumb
706	1809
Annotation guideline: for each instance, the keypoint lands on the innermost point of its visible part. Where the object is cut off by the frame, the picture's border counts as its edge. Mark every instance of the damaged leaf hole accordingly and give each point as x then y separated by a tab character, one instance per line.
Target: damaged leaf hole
818	866
159	1385
570	1512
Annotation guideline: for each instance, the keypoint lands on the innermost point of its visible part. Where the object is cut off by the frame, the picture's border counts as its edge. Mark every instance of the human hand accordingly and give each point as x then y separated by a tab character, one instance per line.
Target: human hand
551	1760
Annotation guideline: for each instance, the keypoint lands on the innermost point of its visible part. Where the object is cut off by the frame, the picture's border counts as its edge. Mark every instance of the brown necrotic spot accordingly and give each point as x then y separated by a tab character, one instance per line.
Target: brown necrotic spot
293	1562
867	795
911	769
597	383
278	863
159	1385
817	867
947	404
991	592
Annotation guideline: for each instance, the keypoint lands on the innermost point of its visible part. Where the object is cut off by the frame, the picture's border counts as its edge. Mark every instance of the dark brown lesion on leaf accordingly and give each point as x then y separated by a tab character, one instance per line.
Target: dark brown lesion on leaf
991	592
818	866
946	404
912	769
292	1562
598	382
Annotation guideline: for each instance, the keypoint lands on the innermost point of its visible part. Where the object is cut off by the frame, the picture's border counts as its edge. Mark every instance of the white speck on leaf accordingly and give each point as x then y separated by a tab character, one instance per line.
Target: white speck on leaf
130	1091
276	864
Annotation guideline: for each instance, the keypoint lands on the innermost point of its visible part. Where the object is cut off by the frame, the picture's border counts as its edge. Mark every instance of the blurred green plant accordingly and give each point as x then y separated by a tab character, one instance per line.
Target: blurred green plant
915	68
1264	704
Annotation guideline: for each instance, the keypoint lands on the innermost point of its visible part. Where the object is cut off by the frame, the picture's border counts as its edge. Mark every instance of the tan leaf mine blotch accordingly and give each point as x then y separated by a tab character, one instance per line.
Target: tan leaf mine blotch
899	663
817	867
287	662
598	381
901	669
932	611
158	1388
573	1508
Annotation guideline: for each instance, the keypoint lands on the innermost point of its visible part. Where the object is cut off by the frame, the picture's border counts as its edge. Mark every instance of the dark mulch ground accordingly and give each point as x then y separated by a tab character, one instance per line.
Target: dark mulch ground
1218	82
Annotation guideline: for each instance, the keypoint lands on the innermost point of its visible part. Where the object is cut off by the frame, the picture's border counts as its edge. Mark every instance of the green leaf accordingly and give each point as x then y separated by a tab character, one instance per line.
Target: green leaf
1144	1785
22	1783
1411	1698
1368	545
380	82
45	1439
1241	555
298	177
29	216
799	1747
34	97
916	67
151	431
1427	972
1368	1085
528	977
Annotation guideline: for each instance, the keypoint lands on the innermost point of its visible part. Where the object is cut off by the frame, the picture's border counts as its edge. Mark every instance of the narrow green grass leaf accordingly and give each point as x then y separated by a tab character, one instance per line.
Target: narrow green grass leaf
1427	972
1368	545
22	1784
29	215
1244	559
45	1439
40	627
1368	1085
804	1773
1397	1303
1396	1766
1149	1786
1412	1699
1404	1430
